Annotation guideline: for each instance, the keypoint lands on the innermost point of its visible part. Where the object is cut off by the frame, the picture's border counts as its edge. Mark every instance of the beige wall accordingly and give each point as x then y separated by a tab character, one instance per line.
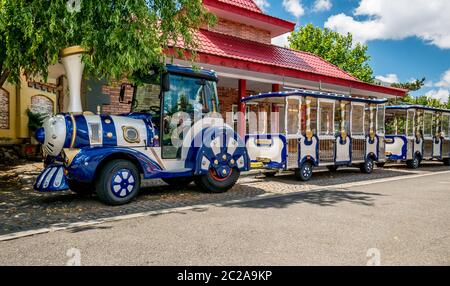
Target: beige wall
19	102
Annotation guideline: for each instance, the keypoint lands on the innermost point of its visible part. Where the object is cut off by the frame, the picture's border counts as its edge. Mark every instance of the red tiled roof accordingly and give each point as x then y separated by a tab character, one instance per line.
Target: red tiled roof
246	4
240	49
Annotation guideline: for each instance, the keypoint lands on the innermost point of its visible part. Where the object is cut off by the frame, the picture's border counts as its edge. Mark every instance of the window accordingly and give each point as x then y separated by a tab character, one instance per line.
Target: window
234	111
293	116
419	120
396	122
438	122
147	97
381	119
446	125
410	131
185	103
314	113
326	118
428	124
339	122
358	120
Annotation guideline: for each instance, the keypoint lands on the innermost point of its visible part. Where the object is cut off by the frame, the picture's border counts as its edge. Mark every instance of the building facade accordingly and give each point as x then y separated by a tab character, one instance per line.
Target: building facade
238	49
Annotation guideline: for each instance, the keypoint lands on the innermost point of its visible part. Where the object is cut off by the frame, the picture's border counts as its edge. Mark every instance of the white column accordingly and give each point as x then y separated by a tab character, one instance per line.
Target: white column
71	59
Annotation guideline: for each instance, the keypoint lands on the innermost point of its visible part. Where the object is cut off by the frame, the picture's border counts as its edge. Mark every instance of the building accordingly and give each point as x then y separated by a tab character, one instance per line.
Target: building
238	48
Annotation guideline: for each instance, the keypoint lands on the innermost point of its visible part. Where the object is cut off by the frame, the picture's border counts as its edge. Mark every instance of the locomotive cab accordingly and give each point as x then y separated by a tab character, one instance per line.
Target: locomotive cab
173	132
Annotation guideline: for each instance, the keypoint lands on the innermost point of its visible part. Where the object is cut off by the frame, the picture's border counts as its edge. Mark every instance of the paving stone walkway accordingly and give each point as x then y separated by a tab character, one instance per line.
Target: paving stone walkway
23	209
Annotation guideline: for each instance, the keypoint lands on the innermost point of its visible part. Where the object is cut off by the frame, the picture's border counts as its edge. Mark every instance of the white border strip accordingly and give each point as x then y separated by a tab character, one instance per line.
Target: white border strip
59	227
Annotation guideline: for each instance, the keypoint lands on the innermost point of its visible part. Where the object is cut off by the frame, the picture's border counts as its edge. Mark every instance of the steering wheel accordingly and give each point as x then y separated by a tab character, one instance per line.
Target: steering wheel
155	109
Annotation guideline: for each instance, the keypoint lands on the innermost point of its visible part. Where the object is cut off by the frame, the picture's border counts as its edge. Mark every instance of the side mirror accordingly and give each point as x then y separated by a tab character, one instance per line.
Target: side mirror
165	82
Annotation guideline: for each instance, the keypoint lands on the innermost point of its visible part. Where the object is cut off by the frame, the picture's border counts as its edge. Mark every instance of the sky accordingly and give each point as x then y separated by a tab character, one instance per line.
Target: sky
407	39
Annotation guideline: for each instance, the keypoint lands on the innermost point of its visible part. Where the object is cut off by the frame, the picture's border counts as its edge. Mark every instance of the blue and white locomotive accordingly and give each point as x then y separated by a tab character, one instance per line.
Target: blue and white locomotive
173	133
416	133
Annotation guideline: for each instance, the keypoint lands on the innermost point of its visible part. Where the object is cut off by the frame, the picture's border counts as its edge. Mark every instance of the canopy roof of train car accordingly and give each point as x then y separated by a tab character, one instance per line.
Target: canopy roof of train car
422	107
310	93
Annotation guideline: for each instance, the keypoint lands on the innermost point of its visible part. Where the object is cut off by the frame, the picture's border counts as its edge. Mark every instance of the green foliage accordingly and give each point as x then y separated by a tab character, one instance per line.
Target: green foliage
411	86
35	120
335	48
419	100
122	36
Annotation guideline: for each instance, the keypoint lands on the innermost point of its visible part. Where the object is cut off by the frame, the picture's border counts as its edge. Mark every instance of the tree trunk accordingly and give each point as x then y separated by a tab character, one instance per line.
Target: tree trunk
4	76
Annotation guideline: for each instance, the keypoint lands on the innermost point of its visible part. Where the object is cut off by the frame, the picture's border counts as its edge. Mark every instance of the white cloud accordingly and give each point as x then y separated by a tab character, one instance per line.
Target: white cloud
445	80
262	4
440	94
389	78
294	7
396	20
281	41
322	5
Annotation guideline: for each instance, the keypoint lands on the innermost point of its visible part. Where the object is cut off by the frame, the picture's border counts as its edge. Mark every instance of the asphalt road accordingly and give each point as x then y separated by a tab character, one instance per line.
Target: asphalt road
405	222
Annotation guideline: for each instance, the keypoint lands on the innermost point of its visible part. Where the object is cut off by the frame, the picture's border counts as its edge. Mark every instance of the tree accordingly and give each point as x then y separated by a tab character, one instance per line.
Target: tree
419	100
335	48
122	36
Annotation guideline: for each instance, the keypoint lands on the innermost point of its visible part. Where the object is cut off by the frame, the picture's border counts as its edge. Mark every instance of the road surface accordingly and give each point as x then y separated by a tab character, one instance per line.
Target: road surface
404	222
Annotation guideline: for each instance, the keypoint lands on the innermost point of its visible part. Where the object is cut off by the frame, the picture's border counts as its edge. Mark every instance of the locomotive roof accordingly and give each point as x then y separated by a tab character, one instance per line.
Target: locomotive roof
191	72
422	107
311	93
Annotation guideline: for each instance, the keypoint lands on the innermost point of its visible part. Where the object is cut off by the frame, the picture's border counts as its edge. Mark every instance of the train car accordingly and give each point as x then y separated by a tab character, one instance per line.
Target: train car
300	130
416	133
173	133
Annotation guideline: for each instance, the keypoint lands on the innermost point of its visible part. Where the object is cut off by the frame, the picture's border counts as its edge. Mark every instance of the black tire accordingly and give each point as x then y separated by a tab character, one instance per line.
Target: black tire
414	163
211	183
447	162
82	189
305	172
121	174
332	168
367	167
179	181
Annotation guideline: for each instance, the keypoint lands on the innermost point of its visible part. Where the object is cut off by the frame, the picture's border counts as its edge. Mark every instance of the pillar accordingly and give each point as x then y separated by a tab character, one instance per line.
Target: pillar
242	92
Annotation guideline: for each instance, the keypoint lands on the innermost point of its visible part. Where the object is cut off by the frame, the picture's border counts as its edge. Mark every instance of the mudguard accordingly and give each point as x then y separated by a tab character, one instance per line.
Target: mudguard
52	179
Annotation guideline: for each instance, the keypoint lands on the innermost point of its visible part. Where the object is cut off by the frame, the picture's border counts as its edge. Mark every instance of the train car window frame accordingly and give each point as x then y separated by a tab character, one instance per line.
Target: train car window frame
410	121
381	128
446	129
288	111
425	133
363	106
329	134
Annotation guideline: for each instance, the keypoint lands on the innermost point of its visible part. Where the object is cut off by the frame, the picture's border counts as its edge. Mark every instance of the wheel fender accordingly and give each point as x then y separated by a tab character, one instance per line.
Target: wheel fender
222	150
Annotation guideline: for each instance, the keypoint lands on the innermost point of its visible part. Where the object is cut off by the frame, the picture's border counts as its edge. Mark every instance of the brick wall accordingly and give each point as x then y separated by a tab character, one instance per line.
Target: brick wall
242	31
4	109
42	105
115	107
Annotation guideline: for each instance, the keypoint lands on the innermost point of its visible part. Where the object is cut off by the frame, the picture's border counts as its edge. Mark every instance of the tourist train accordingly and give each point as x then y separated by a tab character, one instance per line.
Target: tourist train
416	133
309	129
172	133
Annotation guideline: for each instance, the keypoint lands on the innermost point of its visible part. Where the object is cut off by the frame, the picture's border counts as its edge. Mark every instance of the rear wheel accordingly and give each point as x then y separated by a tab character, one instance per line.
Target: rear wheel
367	167
414	163
179	182
119	182
214	183
305	172
82	189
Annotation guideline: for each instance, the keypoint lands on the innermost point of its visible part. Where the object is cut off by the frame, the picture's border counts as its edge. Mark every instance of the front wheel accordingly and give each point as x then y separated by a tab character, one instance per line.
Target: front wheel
305	172
119	182
213	183
367	167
